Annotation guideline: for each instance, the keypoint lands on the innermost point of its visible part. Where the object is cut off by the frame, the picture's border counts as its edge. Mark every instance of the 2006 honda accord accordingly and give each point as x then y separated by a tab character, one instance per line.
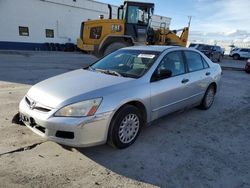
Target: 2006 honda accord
112	99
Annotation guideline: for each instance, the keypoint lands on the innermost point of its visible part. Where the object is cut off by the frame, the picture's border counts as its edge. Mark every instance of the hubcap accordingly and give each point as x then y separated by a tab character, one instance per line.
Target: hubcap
210	97
129	128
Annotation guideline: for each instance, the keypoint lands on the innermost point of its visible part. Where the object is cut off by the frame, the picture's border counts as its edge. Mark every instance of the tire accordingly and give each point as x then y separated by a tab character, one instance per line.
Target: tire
208	98
113	47
236	56
119	135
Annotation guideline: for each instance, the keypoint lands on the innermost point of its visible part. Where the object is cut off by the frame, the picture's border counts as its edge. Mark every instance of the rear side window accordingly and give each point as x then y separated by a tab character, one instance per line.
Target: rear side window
194	61
244	50
205	64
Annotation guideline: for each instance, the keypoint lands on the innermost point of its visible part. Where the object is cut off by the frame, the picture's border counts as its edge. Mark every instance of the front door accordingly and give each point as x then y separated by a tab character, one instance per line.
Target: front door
169	94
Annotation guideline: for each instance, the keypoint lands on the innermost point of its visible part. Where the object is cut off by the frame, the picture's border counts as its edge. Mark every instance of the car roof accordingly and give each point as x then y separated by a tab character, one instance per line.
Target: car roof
157	48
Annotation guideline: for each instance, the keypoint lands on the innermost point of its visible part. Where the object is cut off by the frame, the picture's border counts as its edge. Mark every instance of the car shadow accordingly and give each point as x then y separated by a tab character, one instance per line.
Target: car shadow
159	150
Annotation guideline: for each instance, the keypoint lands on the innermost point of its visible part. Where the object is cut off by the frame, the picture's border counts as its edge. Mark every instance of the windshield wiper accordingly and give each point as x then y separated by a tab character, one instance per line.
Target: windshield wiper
111	72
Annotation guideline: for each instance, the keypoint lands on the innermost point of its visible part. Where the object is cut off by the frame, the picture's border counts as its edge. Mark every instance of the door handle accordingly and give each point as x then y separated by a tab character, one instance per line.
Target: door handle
208	73
185	81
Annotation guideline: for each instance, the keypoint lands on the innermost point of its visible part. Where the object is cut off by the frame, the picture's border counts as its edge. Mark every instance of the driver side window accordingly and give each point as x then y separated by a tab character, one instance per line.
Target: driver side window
173	62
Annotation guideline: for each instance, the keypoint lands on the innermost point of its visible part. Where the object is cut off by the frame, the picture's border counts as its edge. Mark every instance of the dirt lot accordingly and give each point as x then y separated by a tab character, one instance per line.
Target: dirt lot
189	149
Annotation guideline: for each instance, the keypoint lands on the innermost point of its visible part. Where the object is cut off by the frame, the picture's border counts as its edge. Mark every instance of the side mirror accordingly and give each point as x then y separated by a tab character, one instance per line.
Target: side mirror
161	75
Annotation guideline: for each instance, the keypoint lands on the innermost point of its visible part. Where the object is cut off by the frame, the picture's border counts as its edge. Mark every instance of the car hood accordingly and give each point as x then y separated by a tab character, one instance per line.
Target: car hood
56	90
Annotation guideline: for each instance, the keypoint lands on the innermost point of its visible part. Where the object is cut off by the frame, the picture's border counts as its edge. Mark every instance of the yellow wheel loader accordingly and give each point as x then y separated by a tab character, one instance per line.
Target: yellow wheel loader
132	27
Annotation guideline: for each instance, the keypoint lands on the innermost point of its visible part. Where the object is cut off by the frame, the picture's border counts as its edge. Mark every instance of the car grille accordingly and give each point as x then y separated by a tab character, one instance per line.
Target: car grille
37	106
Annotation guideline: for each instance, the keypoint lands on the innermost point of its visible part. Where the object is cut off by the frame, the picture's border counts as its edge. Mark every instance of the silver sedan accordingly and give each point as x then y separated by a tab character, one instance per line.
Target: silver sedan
110	101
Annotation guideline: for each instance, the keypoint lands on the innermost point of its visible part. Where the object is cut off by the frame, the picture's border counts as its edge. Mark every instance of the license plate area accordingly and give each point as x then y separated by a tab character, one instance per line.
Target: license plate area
26	119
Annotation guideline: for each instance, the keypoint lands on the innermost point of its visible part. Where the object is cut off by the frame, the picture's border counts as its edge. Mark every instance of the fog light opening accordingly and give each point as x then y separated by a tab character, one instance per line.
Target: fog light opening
65	134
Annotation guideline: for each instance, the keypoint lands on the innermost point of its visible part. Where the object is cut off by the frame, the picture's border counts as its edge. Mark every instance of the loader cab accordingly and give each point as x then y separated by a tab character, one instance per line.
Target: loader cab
137	16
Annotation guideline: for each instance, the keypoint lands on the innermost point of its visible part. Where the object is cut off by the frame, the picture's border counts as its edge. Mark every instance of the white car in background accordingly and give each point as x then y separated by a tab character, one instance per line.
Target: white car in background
238	53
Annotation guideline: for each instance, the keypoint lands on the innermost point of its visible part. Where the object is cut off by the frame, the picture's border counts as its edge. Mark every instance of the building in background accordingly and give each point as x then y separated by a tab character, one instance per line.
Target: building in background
47	24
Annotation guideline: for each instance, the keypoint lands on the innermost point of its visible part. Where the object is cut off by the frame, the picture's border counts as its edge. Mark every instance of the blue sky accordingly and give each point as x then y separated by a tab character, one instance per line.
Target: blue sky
211	19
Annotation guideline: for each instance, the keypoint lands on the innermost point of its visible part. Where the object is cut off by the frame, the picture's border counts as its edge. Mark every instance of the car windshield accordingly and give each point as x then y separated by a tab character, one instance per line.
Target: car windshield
126	63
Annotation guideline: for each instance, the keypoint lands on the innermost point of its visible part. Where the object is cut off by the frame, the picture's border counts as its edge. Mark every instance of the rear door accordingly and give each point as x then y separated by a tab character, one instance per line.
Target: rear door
199	76
218	52
214	52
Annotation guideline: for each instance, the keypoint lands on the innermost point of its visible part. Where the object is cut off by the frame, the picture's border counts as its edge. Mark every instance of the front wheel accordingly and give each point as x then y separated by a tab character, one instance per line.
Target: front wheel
208	98
236	56
125	127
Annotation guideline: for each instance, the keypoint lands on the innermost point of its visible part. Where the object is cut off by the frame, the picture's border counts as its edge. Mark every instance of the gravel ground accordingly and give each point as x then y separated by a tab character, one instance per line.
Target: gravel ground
189	149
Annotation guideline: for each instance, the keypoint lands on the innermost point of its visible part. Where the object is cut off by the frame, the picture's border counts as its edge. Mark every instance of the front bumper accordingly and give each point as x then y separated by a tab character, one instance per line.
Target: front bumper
76	132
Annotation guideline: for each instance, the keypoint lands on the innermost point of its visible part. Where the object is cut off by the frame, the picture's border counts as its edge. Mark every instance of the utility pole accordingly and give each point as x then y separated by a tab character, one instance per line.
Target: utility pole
189	20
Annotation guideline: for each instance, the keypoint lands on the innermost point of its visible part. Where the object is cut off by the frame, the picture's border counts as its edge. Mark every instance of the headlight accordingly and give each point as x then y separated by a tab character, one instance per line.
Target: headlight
80	109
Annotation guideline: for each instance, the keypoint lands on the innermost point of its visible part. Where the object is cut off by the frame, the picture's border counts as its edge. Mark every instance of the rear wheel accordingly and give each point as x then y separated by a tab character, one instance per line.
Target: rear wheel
113	47
125	127
236	56
208	98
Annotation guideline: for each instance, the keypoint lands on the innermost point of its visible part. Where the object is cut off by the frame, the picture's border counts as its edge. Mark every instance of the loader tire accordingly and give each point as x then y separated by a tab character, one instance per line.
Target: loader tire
113	47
